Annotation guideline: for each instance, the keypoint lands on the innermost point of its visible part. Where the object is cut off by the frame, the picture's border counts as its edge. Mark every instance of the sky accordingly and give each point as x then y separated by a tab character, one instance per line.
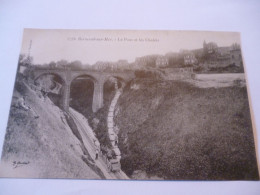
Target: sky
90	46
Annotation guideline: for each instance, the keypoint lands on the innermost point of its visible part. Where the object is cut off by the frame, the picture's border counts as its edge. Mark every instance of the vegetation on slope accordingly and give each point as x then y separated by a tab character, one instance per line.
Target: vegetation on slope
178	131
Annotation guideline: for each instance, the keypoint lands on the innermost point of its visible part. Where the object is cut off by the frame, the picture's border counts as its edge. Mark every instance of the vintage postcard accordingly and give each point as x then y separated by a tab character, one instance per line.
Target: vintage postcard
140	105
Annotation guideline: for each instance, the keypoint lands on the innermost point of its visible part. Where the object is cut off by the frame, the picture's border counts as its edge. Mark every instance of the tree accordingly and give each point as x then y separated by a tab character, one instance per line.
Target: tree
62	63
76	64
52	64
25	60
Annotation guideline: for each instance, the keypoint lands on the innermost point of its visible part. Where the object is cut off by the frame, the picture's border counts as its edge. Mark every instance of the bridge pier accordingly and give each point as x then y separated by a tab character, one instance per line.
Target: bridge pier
66	97
97	102
98	96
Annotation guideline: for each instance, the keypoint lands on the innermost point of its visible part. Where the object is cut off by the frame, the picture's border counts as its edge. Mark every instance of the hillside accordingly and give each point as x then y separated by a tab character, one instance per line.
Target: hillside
43	147
174	130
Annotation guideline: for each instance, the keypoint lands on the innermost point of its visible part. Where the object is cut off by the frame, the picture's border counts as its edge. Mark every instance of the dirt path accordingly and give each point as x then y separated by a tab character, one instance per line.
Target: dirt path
110	118
88	136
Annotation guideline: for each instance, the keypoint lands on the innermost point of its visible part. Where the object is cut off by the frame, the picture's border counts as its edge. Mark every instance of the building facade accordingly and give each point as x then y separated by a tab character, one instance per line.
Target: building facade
210	47
189	58
162	61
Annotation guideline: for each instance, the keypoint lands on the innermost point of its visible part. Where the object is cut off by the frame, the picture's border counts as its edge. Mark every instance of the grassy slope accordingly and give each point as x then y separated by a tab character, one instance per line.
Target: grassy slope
177	131
47	143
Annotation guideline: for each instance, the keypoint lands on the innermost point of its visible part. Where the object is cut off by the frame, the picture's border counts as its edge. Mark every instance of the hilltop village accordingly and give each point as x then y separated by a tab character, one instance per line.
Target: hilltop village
209	58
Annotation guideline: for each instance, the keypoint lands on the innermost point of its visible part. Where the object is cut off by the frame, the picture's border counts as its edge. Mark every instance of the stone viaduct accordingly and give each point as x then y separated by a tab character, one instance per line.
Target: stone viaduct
98	77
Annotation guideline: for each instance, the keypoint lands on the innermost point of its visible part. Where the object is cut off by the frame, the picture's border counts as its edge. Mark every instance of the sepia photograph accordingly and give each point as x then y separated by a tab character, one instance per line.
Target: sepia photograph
130	105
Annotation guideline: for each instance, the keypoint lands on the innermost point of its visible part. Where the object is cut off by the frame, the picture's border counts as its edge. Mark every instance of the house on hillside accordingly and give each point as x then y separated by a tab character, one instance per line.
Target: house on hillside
222	51
120	64
235	55
210	48
219	57
189	58
149	60
100	65
22	68
161	61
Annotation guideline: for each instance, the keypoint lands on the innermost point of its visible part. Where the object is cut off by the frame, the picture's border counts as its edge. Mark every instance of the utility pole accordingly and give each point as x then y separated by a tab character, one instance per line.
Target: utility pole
28	60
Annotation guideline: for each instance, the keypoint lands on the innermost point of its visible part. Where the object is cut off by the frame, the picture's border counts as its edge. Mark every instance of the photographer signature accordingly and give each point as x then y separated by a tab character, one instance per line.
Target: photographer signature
18	163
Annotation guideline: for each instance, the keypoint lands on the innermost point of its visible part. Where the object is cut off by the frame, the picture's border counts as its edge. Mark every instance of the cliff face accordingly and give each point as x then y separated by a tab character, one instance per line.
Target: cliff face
174	130
43	147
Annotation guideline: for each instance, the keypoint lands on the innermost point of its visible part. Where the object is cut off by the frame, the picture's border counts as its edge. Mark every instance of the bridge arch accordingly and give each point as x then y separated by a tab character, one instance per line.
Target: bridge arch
46	74
40	73
84	75
88	91
67	76
61	80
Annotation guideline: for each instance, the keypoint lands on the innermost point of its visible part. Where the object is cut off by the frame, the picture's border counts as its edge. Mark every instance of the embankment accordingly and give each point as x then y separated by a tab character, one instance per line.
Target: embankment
43	147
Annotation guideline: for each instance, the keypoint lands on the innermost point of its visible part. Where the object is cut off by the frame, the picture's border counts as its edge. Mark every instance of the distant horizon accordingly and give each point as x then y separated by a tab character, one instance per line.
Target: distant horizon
45	46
